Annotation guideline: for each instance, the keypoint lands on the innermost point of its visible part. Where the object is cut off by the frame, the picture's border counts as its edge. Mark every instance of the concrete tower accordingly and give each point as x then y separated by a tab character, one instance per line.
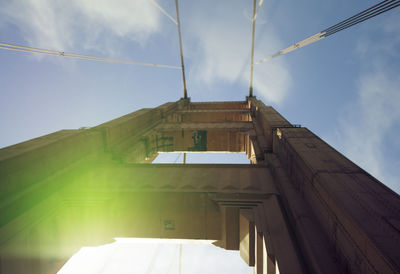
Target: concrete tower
299	207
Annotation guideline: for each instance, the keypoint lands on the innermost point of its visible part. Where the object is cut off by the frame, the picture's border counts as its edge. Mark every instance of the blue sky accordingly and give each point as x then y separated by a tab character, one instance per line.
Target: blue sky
345	88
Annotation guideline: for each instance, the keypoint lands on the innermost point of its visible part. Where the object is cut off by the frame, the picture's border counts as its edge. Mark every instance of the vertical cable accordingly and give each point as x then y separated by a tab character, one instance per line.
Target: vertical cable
180	49
253	28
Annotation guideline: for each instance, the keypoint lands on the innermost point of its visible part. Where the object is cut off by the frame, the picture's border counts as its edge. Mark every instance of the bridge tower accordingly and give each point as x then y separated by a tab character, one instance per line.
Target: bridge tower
299	207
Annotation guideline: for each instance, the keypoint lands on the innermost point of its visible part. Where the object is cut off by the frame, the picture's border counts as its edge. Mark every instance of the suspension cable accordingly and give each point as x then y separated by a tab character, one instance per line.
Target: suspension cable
376	11
373	11
20	48
355	17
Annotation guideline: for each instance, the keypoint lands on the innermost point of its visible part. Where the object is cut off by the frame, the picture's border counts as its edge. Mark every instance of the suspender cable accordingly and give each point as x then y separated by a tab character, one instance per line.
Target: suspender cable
353	20
180	50
253	29
78	56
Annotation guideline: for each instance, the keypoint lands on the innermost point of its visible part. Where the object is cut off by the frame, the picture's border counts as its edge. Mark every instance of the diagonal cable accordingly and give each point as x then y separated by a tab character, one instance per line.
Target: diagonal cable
373	11
20	48
258	7
362	17
164	12
360	14
177	158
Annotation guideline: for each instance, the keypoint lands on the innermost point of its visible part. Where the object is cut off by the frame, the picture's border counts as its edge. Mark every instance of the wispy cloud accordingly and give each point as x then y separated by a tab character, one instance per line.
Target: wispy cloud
63	24
367	124
222	39
364	133
217	35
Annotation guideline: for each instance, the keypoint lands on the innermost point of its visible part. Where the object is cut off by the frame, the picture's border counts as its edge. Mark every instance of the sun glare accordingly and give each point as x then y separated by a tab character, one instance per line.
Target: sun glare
143	255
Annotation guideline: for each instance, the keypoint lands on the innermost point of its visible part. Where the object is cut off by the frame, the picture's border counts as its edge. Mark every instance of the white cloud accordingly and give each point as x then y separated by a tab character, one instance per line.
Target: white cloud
64	24
364	138
386	41
272	80
219	37
366	127
223	41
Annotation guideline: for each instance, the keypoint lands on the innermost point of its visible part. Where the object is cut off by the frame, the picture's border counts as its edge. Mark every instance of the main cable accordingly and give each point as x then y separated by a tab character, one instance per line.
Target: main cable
20	48
373	11
378	10
358	15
